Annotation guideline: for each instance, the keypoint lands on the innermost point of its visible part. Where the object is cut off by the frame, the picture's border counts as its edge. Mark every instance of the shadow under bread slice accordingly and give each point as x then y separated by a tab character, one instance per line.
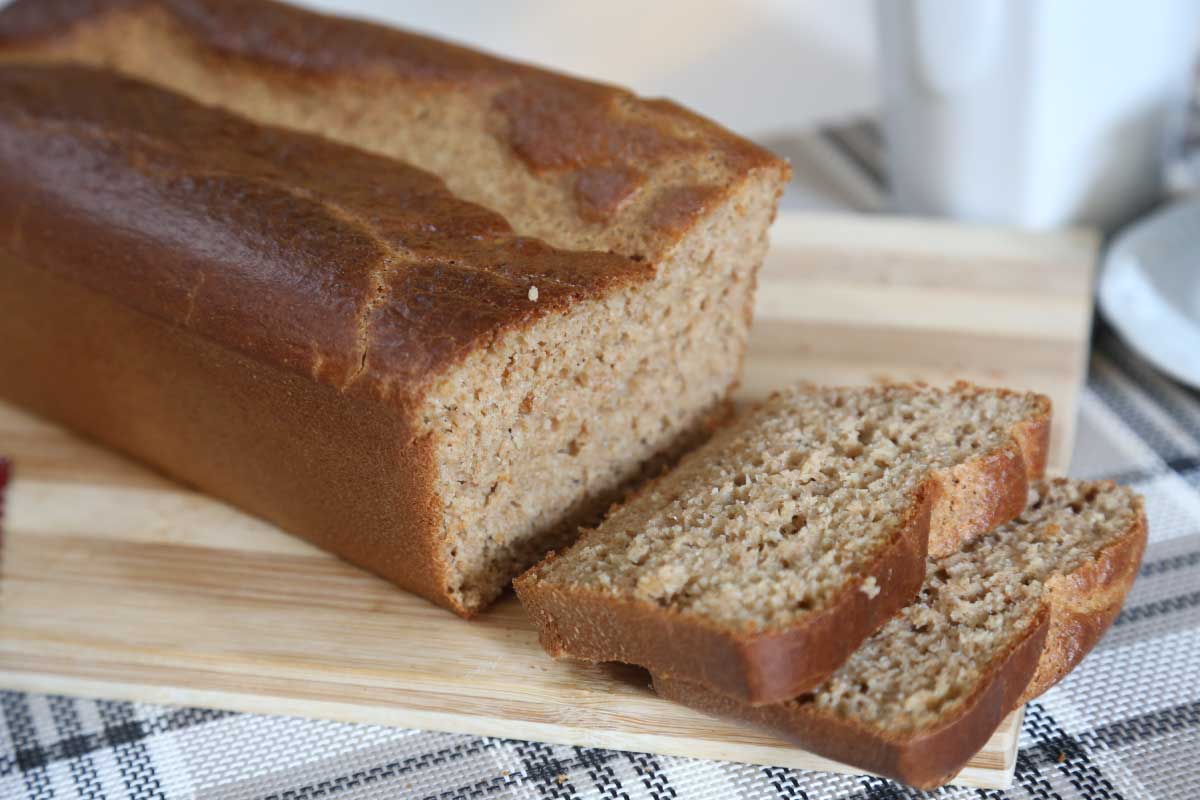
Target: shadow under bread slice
768	555
994	626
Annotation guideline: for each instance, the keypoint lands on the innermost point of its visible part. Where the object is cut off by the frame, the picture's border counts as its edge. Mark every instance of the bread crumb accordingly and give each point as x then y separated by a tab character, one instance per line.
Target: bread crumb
661	583
533	294
869	587
562	778
637	551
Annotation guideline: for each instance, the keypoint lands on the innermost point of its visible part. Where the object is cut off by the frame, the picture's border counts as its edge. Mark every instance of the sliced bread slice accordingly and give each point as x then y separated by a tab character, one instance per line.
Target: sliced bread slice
994	626
771	553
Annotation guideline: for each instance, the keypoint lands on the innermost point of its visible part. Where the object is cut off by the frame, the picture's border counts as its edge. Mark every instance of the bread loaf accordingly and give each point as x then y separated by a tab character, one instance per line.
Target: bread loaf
769	554
434	368
993	627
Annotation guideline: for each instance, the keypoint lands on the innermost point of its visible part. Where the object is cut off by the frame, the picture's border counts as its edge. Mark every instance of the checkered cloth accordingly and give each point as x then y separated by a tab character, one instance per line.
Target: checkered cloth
1125	724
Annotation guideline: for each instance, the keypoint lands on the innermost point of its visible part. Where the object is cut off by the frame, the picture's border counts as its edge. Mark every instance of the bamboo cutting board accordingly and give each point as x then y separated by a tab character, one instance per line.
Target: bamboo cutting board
119	583
856	299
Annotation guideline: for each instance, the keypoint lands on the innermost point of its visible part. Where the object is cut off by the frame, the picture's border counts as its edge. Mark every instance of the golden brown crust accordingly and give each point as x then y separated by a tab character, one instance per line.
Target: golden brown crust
978	496
1077	609
600	627
924	760
370	279
765	667
1084	604
267	439
367	281
242	234
603	140
1033	437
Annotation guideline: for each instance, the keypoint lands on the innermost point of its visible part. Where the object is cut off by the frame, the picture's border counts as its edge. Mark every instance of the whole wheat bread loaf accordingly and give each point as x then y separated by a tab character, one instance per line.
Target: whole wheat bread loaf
768	555
435	369
993	627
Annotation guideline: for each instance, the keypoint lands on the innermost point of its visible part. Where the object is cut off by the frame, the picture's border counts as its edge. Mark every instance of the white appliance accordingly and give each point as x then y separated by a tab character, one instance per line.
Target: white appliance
1032	112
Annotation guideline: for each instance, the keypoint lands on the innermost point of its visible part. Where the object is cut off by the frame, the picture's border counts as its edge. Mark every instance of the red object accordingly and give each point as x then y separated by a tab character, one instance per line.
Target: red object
5	471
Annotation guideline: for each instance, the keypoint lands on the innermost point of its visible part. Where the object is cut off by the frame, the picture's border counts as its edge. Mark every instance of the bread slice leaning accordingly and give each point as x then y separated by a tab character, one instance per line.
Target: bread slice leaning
760	563
994	626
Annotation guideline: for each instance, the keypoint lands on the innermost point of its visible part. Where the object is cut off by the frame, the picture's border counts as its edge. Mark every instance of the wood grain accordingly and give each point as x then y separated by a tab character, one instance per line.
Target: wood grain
858	299
119	583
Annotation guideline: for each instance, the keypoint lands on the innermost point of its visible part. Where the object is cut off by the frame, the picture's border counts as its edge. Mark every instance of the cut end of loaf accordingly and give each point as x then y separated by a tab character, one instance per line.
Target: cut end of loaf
540	428
542	431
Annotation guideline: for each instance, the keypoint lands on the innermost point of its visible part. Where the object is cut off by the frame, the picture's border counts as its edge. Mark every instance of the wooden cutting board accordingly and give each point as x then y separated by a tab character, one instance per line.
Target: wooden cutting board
119	583
857	299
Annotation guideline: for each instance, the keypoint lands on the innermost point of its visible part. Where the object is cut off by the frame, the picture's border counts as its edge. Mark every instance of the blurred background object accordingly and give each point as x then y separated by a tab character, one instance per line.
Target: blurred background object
1150	290
1032	112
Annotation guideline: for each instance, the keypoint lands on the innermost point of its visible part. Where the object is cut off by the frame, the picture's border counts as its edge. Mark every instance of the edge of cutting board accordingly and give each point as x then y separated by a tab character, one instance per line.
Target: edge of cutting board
844	299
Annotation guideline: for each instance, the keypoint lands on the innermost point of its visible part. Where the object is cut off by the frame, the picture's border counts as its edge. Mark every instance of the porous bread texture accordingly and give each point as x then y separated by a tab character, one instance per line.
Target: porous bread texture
776	516
549	423
974	606
539	431
993	627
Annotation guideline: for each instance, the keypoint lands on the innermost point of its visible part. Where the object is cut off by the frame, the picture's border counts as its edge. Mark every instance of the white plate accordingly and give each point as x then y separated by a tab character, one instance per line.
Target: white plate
1150	289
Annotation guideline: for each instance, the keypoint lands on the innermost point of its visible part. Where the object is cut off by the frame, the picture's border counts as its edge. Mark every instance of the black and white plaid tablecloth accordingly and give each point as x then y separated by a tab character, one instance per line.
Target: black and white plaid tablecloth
1125	724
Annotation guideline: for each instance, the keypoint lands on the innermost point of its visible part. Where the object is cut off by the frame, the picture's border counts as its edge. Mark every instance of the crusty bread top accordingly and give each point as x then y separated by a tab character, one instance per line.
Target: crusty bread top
291	248
604	144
